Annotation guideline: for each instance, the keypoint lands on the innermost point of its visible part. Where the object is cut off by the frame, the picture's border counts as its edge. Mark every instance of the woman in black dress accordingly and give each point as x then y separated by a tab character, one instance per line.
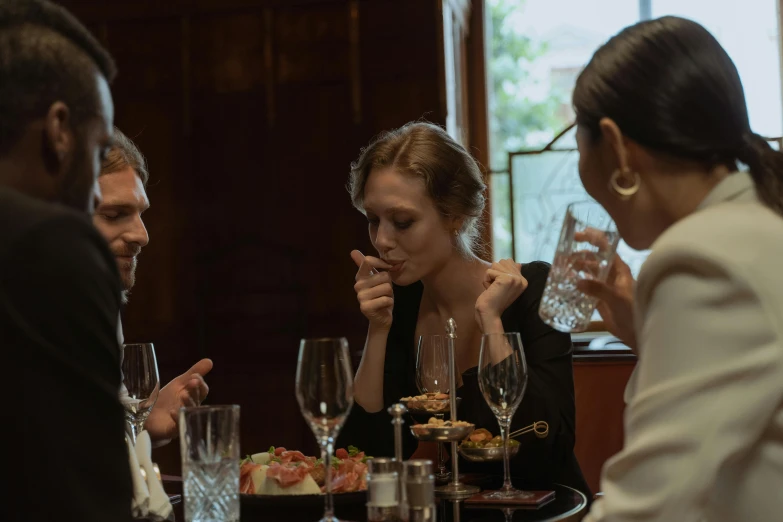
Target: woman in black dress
423	195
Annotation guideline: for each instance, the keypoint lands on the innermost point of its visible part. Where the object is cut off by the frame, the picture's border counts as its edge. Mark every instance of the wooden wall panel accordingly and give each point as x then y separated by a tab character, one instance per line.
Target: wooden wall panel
250	113
599	388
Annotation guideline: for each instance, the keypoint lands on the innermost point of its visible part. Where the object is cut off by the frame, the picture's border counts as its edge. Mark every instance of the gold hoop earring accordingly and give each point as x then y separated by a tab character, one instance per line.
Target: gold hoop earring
621	191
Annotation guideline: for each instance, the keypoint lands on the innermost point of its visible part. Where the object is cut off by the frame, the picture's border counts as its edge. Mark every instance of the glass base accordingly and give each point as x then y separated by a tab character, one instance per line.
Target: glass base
443	477
456	491
507	494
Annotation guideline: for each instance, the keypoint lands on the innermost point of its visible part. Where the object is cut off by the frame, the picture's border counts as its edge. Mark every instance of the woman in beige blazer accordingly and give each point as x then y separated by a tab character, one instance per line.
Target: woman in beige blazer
662	124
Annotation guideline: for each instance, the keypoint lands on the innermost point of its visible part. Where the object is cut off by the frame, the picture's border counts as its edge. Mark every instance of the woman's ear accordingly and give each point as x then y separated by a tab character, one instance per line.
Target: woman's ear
455	224
613	137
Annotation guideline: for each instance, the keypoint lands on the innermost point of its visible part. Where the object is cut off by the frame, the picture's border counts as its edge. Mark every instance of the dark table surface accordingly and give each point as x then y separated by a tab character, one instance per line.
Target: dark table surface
569	505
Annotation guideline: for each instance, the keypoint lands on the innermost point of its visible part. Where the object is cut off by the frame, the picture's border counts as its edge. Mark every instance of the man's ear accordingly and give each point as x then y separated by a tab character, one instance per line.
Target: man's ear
58	138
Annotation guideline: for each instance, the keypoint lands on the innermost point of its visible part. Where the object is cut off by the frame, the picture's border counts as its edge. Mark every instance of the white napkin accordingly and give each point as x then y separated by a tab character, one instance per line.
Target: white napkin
149	498
160	506
141	493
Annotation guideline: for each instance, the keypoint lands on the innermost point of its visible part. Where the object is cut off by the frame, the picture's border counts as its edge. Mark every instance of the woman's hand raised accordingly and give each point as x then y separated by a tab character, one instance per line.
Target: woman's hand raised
503	284
374	290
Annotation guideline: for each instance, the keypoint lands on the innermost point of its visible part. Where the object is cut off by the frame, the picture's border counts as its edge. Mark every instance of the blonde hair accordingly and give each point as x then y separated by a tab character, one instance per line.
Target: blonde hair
452	177
124	153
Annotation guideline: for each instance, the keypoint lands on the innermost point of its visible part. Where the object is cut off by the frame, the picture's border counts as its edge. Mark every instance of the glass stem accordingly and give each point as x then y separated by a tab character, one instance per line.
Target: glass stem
138	427
505	424
327	448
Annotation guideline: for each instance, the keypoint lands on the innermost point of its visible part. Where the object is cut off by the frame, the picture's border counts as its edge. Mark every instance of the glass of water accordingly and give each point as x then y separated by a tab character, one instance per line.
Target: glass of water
586	249
209	444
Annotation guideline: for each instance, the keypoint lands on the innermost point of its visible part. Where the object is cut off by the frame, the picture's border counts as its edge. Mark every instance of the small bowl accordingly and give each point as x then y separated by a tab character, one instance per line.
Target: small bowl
431	406
444	434
486	454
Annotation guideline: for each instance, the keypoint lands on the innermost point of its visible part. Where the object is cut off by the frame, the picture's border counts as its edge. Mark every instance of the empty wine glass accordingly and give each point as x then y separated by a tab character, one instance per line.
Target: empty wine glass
140	378
432	376
324	389
432	364
502	379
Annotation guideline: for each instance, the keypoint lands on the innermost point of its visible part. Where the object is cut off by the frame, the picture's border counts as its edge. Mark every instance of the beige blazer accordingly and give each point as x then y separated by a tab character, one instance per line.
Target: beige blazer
704	415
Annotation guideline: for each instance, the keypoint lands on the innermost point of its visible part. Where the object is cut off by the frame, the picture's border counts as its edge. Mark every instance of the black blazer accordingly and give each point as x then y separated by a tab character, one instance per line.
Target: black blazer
59	306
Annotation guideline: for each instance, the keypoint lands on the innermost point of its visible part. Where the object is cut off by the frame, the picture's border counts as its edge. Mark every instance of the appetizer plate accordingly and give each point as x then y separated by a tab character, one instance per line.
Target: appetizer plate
441	434
486	454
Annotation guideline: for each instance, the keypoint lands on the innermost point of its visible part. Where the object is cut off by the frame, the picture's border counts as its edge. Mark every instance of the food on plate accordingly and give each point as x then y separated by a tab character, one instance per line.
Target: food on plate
431	402
482	438
431	396
283	472
440	423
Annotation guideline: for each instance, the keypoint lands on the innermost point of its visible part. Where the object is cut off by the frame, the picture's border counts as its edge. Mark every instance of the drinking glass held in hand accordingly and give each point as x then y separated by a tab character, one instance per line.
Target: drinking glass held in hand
140	378
324	389
209	446
502	377
587	245
432	376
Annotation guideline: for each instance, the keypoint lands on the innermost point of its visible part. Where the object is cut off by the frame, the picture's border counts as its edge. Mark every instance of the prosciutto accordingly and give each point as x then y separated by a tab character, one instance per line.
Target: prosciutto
245	477
287	475
351	476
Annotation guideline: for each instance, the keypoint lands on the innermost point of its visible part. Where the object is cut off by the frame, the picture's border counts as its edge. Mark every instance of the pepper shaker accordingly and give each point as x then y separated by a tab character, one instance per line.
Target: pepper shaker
419	490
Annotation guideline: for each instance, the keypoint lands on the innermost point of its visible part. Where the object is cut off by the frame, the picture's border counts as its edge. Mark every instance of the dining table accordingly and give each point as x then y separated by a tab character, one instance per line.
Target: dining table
568	505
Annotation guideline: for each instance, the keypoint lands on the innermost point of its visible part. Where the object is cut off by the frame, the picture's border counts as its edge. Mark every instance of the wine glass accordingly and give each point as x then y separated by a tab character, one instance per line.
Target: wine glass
324	389
432	375
502	378
140	378
432	364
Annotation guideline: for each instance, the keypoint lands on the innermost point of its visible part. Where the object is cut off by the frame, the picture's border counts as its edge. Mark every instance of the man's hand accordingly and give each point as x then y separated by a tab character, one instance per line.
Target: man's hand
189	389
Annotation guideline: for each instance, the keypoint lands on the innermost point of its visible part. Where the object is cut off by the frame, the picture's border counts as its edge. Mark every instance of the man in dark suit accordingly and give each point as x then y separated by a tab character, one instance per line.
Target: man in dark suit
59	285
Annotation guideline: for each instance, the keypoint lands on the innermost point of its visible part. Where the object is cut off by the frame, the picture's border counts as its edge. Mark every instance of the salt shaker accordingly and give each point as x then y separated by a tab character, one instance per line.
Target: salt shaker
419	490
383	495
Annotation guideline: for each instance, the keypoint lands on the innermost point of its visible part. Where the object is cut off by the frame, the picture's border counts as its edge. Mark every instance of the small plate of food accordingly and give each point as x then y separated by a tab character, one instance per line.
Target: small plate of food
481	446
429	403
281	477
439	430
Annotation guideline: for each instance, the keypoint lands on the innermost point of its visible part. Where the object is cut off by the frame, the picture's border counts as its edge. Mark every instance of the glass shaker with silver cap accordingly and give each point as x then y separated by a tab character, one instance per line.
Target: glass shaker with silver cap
420	490
383	495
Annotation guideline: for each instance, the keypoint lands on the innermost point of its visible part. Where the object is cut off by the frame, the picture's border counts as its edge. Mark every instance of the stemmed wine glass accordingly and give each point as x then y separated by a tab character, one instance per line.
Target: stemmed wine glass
324	389
502	378
432	375
140	378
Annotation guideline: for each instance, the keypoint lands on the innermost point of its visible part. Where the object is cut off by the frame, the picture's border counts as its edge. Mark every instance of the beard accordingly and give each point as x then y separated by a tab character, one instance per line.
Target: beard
125	254
127	273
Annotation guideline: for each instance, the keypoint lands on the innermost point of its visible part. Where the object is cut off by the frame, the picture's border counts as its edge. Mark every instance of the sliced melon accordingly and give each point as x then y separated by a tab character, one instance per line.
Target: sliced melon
259	477
261	458
266	486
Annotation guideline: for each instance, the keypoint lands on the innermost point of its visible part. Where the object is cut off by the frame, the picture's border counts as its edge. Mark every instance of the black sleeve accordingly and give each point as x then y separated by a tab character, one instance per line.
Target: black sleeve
59	300
373	432
550	391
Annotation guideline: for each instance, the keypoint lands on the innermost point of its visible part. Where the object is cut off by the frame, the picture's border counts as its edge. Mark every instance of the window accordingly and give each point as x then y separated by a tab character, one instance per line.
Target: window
537	49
